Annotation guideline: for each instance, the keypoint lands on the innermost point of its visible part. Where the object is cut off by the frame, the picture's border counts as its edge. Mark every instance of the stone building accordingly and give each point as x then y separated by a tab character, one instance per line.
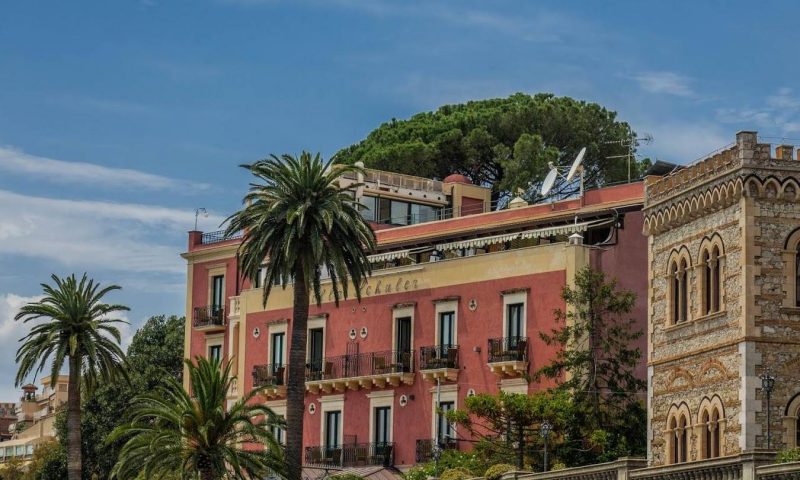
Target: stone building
723	238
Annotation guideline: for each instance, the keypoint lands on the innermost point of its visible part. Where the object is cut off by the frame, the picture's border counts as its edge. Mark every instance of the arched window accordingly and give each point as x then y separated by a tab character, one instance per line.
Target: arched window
684	281
797	277
679	281
711	280
712	433
683	439
673	441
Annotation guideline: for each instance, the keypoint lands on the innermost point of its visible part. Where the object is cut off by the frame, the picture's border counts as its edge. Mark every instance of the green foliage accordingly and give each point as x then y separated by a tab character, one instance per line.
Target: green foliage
597	354
507	425
503	142
154	355
495	472
457	473
789	455
299	218
172	431
78	328
49	462
13	469
470	461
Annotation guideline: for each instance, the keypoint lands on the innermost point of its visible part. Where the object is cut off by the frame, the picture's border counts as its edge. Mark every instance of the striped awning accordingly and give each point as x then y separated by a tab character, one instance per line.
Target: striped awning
507	237
388	256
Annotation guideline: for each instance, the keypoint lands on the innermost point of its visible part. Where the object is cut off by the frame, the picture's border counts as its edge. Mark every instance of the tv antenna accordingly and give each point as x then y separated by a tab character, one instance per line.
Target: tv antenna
630	143
197	213
577	166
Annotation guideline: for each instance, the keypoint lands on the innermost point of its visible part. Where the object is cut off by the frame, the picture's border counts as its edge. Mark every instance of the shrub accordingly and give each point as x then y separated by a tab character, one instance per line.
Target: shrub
789	455
495	472
458	473
558	465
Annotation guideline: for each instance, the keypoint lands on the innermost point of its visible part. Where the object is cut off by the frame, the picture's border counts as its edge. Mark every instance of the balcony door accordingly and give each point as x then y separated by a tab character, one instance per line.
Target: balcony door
277	352
315	349
514	326
403	342
217	293
382	425
447	334
333	425
444	429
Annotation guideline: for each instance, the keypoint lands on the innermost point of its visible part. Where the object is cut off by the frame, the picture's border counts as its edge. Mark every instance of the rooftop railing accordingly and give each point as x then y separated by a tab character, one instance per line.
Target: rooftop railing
218	236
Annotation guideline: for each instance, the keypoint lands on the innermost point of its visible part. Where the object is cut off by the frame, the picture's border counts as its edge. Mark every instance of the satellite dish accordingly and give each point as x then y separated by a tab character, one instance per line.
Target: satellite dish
549	180
577	163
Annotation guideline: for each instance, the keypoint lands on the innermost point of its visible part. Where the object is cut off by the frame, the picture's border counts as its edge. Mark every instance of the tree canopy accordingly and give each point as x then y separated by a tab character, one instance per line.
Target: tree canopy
505	143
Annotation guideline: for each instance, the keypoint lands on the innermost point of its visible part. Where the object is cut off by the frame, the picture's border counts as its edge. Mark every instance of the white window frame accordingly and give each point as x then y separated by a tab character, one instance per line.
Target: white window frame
216	271
444	307
331	403
381	399
510	299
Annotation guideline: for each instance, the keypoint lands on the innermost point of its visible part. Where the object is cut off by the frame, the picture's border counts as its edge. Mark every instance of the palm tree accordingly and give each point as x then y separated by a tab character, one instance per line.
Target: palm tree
173	434
297	216
79	331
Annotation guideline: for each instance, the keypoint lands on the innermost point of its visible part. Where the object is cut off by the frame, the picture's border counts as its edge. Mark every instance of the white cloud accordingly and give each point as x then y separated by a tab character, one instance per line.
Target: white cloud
778	114
13	160
88	235
669	83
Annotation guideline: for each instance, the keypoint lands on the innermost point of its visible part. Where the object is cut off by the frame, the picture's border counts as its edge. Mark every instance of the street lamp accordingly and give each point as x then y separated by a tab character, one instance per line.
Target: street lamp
197	212
767	385
545	432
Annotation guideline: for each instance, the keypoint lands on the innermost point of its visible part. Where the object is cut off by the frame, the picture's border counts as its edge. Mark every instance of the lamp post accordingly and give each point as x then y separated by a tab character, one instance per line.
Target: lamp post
545	432
767	385
197	212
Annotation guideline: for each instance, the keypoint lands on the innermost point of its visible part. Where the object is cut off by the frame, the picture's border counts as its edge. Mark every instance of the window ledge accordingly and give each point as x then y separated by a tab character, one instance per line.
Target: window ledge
712	316
790	310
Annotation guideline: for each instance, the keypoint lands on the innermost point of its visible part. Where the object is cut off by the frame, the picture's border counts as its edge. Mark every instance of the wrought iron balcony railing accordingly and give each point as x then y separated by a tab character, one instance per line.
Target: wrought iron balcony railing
351	455
209	316
270	375
218	236
508	349
425	448
359	365
438	356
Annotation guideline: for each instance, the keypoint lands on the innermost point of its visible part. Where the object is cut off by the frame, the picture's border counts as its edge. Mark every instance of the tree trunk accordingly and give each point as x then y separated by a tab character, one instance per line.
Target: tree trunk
296	382
206	474
74	454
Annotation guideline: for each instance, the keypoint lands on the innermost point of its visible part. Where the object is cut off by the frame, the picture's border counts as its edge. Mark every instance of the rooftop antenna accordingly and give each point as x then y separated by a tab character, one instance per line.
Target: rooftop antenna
577	166
630	142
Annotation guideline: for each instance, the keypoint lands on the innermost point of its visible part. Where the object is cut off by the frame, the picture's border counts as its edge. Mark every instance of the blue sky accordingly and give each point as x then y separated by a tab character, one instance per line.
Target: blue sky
117	119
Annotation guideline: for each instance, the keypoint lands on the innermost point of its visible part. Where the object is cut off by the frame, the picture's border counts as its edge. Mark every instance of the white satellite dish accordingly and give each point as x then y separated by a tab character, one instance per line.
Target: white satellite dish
576	164
549	180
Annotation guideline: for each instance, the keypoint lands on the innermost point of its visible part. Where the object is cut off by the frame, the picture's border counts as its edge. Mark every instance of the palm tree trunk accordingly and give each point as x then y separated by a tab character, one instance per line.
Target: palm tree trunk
296	383
74	454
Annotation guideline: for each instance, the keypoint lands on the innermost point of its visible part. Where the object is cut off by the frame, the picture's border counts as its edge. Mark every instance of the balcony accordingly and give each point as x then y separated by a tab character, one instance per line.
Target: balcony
508	356
439	361
364	370
271	379
209	318
425	448
353	455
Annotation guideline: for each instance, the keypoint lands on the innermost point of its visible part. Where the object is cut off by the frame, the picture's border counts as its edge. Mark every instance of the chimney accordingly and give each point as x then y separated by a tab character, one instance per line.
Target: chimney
784	152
